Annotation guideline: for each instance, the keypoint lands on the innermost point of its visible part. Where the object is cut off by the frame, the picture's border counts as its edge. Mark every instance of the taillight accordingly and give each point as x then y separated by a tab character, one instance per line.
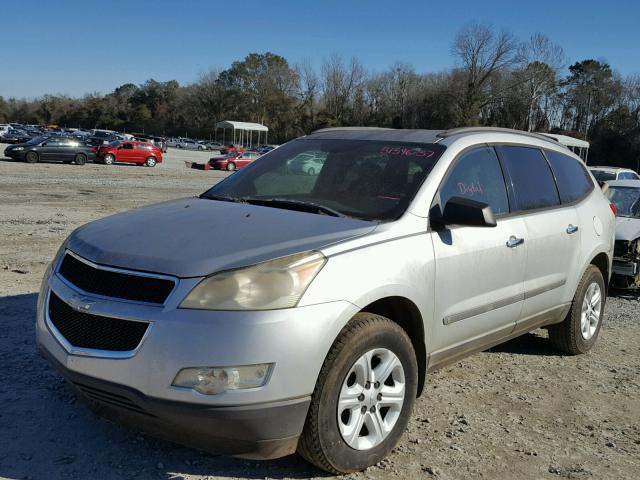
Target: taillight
614	209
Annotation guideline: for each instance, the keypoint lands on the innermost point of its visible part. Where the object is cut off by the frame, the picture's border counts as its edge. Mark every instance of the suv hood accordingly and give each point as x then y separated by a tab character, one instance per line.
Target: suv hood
194	237
627	228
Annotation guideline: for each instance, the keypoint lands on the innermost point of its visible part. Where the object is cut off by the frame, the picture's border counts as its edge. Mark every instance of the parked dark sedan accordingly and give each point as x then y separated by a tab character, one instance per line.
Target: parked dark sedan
15	136
45	148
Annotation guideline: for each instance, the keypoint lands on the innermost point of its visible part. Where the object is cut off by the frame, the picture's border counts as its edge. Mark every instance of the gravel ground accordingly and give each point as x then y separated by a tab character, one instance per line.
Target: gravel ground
518	411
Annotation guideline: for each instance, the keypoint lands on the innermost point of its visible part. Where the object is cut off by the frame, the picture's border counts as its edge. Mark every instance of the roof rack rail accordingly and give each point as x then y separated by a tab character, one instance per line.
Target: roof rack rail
461	130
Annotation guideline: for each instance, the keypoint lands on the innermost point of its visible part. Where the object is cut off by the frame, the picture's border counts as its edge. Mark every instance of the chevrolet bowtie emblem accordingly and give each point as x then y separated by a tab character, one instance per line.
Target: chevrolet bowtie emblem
82	304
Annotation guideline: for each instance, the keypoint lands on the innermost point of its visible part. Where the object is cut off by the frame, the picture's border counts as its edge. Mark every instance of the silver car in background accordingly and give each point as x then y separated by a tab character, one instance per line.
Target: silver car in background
281	312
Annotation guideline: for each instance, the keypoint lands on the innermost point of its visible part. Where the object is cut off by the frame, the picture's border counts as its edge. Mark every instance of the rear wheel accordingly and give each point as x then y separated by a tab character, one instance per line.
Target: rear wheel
108	159
231	166
32	157
80	159
363	397
150	162
579	330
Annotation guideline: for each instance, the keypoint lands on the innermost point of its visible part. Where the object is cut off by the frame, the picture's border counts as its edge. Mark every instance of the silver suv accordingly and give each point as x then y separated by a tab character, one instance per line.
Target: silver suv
281	312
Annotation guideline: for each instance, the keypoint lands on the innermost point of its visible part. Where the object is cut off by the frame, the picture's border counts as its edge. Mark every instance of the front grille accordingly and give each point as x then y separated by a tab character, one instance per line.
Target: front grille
85	330
112	399
115	284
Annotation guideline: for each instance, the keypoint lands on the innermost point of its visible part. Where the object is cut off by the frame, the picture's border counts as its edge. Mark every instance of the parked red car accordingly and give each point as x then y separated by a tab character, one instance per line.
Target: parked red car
232	149
129	152
233	161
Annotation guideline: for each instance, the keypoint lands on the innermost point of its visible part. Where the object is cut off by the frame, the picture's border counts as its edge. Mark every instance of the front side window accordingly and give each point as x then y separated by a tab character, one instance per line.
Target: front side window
372	180
574	183
533	183
477	175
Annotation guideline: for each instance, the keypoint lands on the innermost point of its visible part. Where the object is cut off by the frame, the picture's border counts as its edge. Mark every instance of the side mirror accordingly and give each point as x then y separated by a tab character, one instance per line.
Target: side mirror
465	212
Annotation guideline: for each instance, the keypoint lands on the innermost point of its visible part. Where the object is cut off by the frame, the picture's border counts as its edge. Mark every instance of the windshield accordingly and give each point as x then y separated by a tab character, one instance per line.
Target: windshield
37	140
372	180
626	199
603	176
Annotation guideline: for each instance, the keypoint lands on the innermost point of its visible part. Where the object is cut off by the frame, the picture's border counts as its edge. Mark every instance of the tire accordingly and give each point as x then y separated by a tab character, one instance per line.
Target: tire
231	167
311	171
32	157
80	159
108	159
150	162
326	441
575	336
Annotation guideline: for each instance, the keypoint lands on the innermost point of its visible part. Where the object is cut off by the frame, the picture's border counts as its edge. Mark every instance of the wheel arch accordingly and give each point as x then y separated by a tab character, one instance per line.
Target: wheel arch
601	260
406	314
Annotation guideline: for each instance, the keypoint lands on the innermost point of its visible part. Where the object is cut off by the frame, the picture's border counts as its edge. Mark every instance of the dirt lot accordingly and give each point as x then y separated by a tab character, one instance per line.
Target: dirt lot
519	411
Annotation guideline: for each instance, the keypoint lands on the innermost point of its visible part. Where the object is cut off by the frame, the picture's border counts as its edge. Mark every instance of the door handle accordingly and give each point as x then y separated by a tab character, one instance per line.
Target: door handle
514	242
571	229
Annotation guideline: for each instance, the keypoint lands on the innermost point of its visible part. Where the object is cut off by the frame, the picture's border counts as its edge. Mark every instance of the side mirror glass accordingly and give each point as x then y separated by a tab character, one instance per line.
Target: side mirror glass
466	212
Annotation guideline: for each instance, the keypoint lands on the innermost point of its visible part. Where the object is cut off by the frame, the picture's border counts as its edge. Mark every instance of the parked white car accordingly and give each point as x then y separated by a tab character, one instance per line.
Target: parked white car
606	174
281	312
625	194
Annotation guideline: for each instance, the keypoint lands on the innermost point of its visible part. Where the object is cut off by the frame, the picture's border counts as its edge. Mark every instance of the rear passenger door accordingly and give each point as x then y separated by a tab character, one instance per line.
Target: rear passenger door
553	230
479	270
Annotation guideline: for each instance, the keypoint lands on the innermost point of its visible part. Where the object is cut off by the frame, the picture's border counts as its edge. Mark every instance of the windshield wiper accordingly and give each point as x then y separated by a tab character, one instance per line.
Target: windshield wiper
222	198
290	203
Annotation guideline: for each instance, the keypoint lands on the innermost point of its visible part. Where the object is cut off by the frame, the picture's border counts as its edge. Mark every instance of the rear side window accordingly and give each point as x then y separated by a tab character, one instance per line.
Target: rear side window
533	183
574	183
477	175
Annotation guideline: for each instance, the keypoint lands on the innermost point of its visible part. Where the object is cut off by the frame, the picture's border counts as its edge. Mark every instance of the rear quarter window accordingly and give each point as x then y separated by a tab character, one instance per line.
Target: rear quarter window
574	183
532	180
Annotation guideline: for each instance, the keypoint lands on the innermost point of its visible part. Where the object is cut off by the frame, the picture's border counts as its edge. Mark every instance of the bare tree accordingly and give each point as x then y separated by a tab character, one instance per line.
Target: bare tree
540	63
309	90
343	86
481	52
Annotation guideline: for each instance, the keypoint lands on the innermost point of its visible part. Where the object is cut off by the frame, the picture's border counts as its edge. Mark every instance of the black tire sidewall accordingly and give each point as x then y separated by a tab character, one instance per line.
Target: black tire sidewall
80	159
583	345
31	157
340	455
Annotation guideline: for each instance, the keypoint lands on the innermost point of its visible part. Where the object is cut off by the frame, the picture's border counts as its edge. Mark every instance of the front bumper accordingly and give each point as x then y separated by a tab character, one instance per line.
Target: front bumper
19	155
262	422
259	432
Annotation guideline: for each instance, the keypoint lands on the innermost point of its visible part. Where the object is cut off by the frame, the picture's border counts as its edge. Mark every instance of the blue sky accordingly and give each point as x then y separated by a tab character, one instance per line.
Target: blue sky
76	47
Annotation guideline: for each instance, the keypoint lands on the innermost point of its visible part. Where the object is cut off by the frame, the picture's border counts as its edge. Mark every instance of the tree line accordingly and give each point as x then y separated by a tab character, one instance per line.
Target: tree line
498	80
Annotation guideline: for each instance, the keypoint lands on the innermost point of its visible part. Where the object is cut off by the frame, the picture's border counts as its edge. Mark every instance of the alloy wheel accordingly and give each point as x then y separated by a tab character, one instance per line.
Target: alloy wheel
371	399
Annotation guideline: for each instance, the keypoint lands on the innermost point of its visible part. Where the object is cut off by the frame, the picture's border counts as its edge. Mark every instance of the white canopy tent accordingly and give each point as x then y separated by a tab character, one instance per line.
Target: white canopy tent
580	147
241	132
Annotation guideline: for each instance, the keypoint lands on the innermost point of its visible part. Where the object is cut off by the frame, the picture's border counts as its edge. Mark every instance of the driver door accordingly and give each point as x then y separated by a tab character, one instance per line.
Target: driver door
126	152
479	288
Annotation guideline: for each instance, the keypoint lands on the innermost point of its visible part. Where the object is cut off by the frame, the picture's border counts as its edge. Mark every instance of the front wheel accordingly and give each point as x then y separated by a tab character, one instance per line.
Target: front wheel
80	159
150	162
363	397
31	157
108	159
579	330
231	166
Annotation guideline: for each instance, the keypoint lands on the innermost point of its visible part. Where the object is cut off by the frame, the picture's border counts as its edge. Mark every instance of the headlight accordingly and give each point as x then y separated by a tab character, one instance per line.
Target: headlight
270	285
215	380
17	149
